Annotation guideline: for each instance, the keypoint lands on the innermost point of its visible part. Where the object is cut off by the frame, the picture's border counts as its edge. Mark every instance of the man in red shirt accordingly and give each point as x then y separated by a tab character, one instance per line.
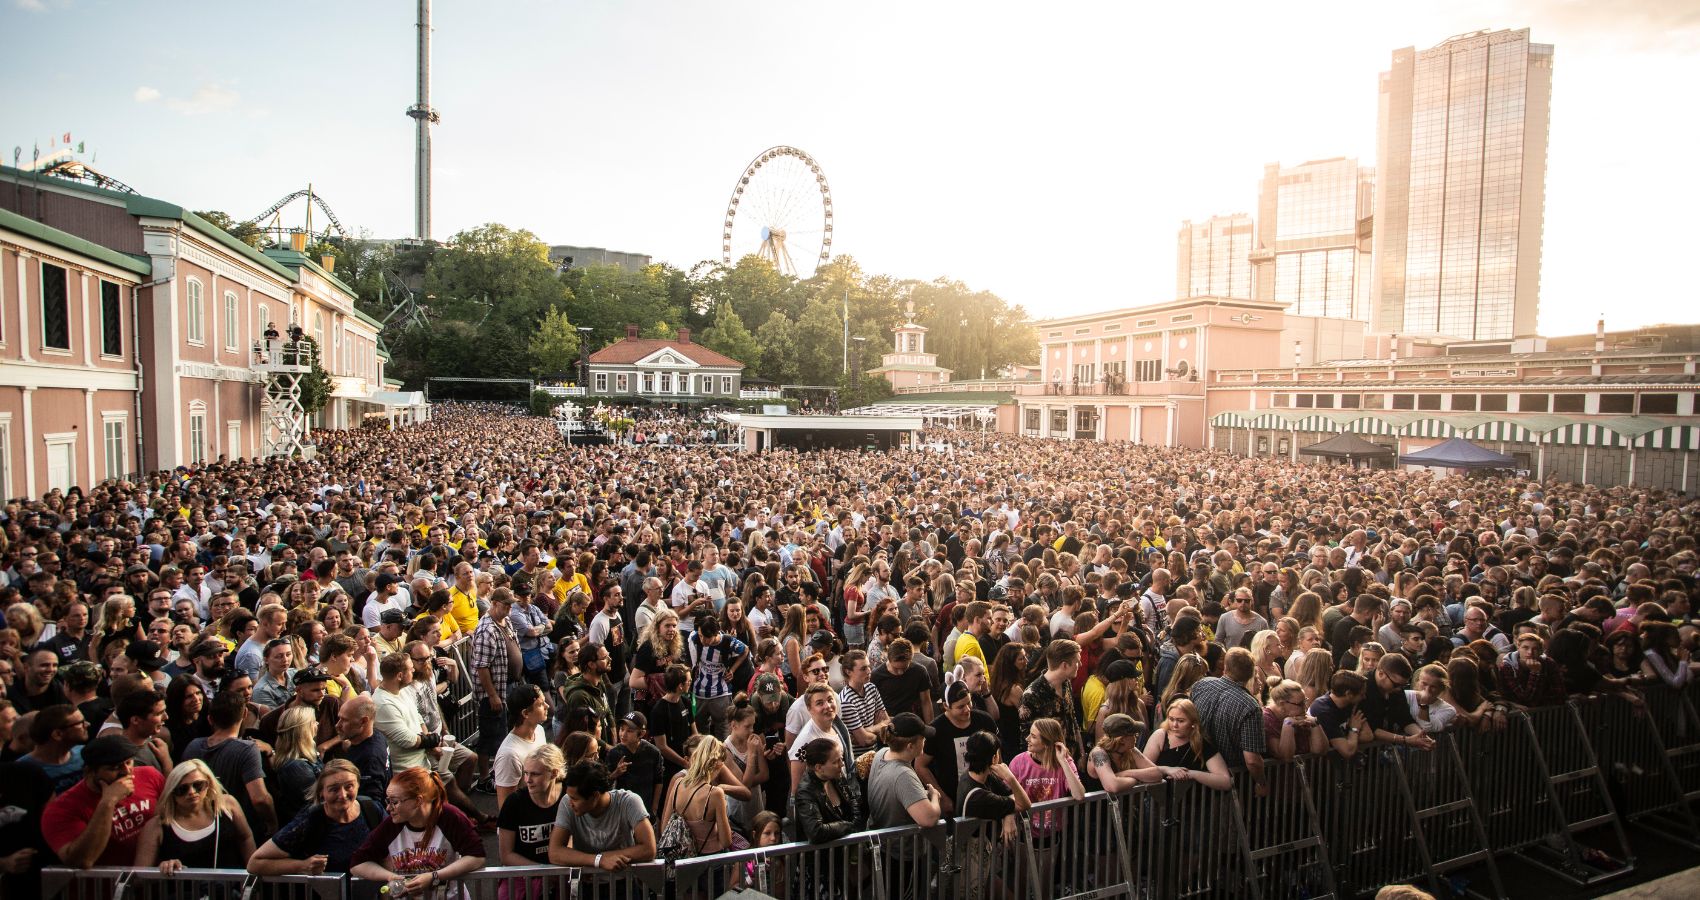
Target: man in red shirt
98	821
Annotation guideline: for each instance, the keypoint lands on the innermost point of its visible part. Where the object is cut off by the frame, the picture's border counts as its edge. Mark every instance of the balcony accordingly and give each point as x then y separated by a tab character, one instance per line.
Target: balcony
760	394
280	356
1169	387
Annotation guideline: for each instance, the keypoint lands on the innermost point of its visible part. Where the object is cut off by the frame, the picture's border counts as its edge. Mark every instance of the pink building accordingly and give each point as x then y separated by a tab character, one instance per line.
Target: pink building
68	375
1140	374
909	364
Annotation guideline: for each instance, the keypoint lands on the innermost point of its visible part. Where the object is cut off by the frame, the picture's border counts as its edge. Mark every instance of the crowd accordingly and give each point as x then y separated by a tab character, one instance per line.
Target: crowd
680	651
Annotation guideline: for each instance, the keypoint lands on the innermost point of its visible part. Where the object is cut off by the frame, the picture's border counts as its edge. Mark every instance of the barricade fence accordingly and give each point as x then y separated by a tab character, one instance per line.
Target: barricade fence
1549	787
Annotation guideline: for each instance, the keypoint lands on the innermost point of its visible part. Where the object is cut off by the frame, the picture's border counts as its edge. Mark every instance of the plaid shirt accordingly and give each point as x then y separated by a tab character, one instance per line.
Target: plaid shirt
493	647
1232	719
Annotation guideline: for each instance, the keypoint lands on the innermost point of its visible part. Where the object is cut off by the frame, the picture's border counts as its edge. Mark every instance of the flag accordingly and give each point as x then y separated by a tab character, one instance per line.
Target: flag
67	137
79	146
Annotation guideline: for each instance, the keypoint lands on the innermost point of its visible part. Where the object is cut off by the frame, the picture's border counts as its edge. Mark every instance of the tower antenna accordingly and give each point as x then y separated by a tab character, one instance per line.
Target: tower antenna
424	116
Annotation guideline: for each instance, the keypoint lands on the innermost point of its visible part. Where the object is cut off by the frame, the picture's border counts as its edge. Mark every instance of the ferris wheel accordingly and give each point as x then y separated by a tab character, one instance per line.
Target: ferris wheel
781	210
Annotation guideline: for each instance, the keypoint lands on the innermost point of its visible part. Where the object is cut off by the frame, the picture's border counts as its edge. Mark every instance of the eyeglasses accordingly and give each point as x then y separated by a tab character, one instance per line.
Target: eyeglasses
821	670
191	787
393	802
420	659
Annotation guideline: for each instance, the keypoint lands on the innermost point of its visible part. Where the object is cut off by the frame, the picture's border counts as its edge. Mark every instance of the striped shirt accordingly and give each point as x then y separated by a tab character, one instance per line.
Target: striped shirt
860	710
708	665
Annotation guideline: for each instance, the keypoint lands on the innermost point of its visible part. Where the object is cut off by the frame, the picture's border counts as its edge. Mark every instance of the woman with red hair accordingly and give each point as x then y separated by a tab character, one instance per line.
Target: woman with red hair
423	841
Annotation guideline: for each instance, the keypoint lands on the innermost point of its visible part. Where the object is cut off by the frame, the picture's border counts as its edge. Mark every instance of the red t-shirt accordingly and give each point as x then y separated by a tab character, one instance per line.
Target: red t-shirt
67	816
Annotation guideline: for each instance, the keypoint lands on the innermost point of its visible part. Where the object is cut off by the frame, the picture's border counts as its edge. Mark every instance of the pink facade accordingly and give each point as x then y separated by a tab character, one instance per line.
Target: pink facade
1140	374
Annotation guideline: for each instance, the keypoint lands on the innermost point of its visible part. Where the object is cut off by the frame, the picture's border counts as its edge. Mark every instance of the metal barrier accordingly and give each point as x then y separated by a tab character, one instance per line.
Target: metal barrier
186	884
1451	832
1284	832
647	881
1673	714
1632	755
461	715
1188	841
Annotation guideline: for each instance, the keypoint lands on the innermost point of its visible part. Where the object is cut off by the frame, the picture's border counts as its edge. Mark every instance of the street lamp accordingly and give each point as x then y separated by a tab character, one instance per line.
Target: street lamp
584	358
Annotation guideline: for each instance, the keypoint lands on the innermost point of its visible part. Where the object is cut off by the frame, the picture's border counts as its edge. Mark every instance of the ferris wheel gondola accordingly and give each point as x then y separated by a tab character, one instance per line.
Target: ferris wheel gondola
774	209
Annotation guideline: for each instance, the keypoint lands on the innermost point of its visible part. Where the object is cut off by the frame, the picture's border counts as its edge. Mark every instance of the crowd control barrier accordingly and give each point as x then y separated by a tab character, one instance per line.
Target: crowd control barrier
1555	786
460	708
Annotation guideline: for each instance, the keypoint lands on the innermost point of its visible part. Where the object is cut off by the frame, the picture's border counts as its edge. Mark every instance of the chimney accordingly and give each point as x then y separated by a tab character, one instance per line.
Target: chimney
632	332
328	263
1600	336
684	335
298	241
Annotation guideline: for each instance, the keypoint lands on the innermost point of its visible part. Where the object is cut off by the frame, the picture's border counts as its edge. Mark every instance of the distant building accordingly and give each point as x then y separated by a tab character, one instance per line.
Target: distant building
1312	250
565	257
1461	169
672	371
909	364
1213	258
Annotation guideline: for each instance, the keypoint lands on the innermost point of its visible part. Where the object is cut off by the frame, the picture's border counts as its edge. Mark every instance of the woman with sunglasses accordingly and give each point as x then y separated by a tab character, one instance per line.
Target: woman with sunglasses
199	826
323	837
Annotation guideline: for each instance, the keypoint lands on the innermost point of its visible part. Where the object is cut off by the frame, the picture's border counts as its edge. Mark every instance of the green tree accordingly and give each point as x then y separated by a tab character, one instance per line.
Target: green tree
316	384
819	339
754	288
777	339
554	345
729	336
860	389
245	232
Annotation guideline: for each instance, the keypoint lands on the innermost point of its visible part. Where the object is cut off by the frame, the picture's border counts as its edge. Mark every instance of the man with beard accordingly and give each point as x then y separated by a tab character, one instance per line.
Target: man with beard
206	664
99	820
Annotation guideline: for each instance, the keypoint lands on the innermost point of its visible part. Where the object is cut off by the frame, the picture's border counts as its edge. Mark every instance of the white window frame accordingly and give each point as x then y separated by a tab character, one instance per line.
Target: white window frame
648	383
725	384
263	320
665	383
622	383
198	446
600	379
115	447
319	329
195	303
6	455
100	305
231	332
41	307
233	450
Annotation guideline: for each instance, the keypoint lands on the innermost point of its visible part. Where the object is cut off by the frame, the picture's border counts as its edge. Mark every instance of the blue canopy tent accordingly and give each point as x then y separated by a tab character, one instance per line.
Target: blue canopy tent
1458	453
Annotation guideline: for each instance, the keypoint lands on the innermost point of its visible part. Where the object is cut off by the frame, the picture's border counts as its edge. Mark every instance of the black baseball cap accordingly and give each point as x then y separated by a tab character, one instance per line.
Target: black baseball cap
909	725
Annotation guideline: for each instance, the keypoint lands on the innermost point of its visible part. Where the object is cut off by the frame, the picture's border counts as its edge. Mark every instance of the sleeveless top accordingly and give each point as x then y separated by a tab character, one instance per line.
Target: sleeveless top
1183	757
217	846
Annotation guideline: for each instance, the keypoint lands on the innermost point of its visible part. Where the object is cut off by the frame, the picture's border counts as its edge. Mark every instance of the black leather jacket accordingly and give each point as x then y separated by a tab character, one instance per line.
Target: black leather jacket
818	821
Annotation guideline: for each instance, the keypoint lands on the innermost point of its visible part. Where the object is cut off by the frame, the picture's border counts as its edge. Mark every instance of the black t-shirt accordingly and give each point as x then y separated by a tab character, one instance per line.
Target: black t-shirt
311	833
902	693
530	824
1388	712
671	719
948	742
991	800
1332	718
644	773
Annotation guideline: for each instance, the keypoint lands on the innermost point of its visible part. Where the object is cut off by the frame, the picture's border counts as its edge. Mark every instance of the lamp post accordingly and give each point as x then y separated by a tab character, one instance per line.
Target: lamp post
584	358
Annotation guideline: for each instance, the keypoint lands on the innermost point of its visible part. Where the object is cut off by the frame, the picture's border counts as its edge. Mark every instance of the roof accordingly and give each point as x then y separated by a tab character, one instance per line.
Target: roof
626	351
909	367
136	265
138	205
290	257
1457	453
1347	445
949	398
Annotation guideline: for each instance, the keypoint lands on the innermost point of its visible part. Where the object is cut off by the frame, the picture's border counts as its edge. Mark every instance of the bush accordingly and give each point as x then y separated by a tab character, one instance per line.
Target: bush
543	403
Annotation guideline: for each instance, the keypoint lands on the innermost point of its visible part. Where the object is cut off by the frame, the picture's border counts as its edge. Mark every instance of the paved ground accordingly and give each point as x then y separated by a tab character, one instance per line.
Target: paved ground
1682	884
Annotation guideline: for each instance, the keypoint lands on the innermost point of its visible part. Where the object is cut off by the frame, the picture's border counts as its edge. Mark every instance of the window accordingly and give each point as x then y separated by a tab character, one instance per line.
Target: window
1148	370
1658	404
197	438
1304	401
6	454
197	314
666	382
1032	420
1115	327
622	383
1184	317
1492	403
1324	401
1375	401
1059	421
1086	330
265	318
725	384
1279	401
111	320
1404	401
319	329
1569	403
1532	402
1620	404
1145	323
115	447
601	380
1428	401
1350	401
648	383
55	308
230	320
1463	402
1083	373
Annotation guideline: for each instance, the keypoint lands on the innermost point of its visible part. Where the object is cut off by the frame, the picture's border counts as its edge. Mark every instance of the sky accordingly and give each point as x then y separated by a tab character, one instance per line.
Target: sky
1045	152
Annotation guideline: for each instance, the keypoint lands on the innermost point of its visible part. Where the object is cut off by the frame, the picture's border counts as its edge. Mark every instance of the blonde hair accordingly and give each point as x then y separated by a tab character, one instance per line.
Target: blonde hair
1191	712
1050	732
1285	690
550	757
212	799
297	736
1307	610
663	649
1188	671
1315	670
705	762
1260	644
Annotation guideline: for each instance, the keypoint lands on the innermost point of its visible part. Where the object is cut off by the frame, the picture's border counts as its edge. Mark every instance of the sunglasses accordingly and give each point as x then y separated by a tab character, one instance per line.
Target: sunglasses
191	787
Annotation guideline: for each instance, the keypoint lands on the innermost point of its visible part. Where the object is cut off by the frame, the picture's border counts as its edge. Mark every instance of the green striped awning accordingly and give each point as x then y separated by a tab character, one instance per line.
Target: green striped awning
1497	431
1586	434
1673	437
1429	428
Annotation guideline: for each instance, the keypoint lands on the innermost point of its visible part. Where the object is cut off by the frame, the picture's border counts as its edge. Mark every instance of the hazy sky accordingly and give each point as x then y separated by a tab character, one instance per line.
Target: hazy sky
1047	152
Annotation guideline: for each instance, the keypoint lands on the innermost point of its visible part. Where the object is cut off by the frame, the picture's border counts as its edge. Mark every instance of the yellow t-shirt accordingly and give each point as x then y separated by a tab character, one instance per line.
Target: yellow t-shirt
1091	697
967	645
464	609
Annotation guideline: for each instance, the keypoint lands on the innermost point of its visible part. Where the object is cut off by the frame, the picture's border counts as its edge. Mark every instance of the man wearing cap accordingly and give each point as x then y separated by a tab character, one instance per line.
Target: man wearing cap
385	596
98	821
897	797
391	634
309	692
496	665
206	664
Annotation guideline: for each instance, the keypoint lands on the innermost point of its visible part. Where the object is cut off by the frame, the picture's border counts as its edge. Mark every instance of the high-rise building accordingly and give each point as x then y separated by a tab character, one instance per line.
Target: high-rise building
1214	258
1313	250
1461	171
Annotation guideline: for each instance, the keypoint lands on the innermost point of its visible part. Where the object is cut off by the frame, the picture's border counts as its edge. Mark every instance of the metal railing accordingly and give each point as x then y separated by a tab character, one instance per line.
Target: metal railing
460	713
1546	788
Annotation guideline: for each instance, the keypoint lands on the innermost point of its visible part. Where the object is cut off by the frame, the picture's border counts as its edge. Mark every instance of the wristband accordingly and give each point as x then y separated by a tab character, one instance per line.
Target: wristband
597	862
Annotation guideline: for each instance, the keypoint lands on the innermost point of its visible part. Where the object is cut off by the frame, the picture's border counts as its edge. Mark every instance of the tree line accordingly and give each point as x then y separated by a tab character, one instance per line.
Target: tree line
495	306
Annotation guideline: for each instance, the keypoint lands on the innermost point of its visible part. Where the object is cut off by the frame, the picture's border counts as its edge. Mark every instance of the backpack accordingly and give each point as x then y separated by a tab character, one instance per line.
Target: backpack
676	839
